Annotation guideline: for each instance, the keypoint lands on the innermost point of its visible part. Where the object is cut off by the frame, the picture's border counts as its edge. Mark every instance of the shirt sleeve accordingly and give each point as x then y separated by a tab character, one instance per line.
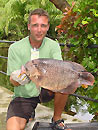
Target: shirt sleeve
56	52
14	60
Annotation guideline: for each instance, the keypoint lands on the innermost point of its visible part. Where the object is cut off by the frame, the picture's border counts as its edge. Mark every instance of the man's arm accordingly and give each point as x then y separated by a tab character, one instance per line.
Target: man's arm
13	64
56	52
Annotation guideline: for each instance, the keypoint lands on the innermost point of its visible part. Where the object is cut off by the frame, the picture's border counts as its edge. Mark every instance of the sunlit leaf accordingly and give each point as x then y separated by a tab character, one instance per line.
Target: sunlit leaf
96	96
96	34
94	12
91	65
84	22
90	36
93	40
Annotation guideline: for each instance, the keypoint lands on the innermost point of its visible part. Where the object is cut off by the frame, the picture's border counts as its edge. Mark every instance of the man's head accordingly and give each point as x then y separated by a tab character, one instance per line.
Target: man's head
38	25
39	12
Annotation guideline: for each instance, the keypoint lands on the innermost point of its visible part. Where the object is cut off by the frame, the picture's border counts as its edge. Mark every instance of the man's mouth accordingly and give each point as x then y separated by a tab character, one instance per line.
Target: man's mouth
38	35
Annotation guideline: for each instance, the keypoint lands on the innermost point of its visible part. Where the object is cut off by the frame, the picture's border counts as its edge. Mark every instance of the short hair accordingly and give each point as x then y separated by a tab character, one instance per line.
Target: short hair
39	12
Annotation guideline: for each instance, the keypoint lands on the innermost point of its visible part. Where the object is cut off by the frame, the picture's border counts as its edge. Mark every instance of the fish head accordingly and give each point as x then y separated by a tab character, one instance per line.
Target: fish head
31	69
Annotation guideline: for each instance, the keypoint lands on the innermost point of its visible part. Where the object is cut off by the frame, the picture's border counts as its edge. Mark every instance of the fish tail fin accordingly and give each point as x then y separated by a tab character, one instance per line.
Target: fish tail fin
87	78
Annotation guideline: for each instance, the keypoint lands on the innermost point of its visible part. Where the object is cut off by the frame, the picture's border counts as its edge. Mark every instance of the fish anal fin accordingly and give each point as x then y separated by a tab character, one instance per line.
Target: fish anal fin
70	89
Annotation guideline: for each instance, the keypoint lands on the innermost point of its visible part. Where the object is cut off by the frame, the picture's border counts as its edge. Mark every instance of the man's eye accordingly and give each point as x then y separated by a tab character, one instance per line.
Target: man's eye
43	25
34	25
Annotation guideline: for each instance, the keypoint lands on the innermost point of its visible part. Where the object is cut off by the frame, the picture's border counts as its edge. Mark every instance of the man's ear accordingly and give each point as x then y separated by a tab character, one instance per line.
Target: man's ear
28	26
48	27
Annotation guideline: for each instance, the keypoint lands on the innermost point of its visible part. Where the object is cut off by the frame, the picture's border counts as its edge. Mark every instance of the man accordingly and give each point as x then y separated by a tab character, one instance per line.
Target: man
26	97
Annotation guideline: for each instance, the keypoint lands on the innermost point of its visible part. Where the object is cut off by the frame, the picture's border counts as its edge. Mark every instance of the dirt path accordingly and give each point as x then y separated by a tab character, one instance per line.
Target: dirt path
43	113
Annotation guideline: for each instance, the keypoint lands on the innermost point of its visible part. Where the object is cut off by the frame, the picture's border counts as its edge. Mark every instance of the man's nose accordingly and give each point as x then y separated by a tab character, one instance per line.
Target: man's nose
39	28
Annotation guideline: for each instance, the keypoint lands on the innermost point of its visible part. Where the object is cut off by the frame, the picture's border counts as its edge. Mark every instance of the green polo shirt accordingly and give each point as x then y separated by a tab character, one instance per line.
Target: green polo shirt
20	52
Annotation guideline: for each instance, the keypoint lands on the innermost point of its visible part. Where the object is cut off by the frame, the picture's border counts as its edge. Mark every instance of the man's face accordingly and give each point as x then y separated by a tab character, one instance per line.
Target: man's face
38	27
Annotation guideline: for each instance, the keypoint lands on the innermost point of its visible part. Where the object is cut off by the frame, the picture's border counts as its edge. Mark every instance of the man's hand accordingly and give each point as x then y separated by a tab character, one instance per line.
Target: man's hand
19	77
15	83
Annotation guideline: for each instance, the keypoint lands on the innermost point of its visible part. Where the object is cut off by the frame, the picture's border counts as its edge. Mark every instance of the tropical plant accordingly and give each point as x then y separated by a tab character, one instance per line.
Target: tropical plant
79	27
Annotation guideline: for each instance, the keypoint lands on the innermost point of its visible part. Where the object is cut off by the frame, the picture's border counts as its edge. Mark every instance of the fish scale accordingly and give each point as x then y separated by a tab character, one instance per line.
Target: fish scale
57	75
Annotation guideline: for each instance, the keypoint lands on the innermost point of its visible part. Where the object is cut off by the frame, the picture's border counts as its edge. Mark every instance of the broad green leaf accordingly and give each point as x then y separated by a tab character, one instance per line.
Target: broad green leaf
84	22
90	36
96	34
76	22
94	12
91	65
96	69
96	96
93	40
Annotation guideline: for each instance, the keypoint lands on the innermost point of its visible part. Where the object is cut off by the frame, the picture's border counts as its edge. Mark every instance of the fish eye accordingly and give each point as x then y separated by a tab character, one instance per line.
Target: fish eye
26	69
35	65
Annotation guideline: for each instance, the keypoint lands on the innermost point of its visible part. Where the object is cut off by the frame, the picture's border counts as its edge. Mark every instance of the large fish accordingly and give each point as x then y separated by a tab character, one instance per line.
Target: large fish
57	75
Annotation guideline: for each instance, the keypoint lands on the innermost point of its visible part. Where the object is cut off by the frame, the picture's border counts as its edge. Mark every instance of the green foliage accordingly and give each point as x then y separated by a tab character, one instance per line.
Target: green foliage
4	79
79	26
14	17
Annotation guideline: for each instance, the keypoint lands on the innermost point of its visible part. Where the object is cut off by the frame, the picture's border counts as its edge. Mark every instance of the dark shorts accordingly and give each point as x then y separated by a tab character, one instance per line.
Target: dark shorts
24	107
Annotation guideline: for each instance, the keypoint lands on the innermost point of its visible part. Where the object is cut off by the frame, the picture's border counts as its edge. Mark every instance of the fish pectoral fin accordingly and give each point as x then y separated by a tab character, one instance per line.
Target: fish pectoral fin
70	89
36	75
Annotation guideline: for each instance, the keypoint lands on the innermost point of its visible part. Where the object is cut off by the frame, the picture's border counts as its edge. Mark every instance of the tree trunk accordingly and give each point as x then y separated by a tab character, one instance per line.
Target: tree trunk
60	4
